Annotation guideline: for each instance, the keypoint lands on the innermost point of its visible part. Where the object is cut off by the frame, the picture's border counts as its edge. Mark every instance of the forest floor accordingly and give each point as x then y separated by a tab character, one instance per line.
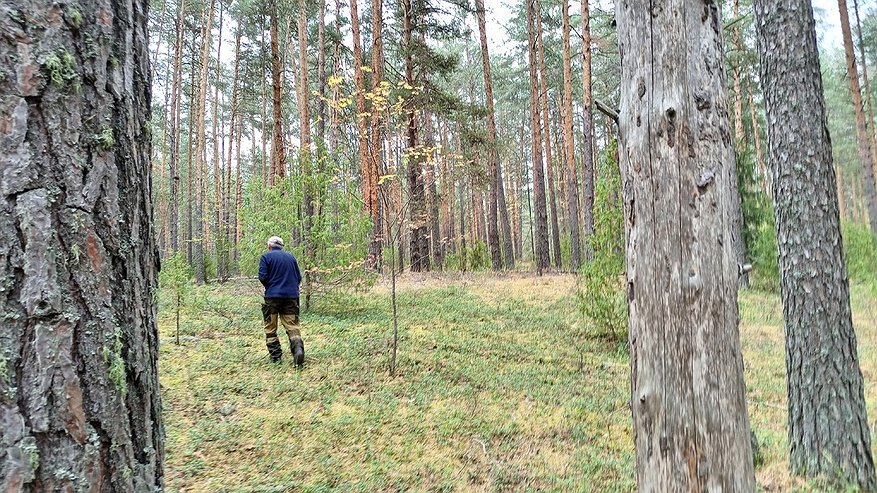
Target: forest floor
500	387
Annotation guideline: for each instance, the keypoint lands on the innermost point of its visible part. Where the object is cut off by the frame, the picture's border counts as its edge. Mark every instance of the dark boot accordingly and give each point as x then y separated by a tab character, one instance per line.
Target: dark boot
297	348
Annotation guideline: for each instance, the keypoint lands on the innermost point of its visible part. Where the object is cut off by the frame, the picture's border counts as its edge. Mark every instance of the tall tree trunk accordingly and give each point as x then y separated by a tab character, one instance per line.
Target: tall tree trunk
523	184
306	159
572	185
416	187
756	134
432	197
278	146
369	177
201	143
321	75
828	426
492	154
546	126
377	133
175	132
861	129
739	132
265	172
540	235
190	158
80	405
234	144
589	171
215	237
688	398
866	86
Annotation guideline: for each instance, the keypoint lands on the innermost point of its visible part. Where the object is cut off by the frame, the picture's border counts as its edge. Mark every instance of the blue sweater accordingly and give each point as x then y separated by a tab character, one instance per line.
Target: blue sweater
278	272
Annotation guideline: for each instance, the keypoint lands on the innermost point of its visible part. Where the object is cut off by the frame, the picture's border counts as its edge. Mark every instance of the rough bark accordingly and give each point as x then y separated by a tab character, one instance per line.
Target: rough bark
492	154
540	235
80	407
589	171
828	426
864	143
278	146
572	182
688	396
419	234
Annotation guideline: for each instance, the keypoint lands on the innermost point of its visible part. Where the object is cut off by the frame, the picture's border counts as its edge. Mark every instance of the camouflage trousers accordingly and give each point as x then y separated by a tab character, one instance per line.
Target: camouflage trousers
274	312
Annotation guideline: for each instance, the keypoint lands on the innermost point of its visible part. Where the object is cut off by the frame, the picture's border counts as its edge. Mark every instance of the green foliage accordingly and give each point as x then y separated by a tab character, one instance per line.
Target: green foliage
105	139
74	16
601	295
176	276
62	68
330	244
473	258
759	234
479	257
860	250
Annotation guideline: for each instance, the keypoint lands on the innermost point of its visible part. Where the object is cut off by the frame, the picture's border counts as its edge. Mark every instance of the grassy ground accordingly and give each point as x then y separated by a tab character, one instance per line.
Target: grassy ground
499	389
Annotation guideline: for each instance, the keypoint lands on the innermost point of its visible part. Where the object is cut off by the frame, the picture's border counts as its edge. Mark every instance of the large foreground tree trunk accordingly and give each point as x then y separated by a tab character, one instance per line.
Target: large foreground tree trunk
688	398
828	426
80	407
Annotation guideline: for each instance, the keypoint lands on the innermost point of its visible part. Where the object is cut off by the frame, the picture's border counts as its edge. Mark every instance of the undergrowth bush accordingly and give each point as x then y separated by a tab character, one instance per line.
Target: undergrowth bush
860	250
601	293
330	245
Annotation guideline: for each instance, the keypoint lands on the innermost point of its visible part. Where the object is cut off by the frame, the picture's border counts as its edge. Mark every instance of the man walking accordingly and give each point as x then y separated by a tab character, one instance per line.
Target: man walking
279	273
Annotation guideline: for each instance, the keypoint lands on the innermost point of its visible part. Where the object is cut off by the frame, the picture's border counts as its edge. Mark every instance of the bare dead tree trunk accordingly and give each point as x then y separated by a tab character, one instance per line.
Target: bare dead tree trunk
80	406
828	425
688	397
